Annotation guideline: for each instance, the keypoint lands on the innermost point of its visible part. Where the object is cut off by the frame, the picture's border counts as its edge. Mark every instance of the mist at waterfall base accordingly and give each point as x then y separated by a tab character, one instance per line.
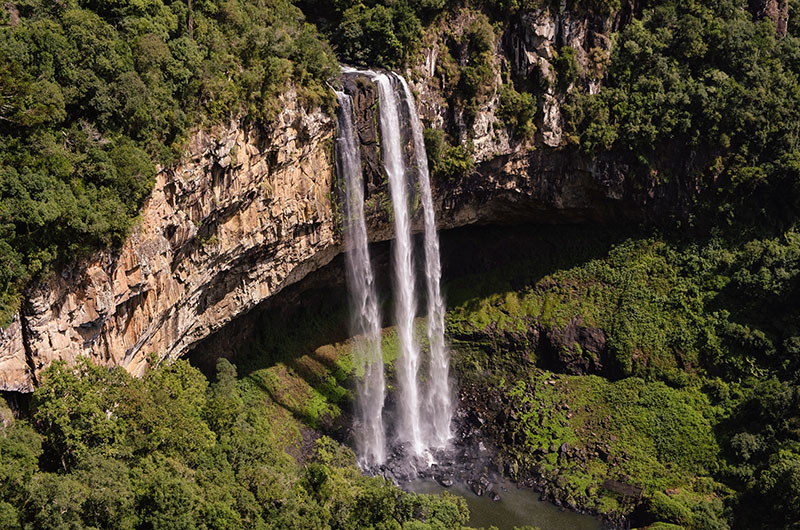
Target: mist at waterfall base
421	427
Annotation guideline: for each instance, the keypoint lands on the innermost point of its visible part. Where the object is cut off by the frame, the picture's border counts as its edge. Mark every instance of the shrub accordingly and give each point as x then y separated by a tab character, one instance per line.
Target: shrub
446	161
518	110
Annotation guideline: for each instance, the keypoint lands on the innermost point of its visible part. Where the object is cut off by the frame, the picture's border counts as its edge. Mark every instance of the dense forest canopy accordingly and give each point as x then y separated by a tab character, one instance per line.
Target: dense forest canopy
169	452
703	81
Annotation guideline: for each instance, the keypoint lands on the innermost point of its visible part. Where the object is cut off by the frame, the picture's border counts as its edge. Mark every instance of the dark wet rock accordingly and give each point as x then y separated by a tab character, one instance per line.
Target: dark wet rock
365	96
476	487
474	419
575	349
473	458
445	482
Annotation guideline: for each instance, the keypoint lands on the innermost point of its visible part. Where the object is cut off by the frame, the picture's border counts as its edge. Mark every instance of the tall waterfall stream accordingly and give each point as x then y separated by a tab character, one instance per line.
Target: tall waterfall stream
366	322
424	411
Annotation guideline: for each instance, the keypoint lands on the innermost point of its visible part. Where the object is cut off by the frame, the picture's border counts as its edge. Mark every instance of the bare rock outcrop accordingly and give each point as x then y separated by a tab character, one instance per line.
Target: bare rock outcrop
14	371
775	10
246	214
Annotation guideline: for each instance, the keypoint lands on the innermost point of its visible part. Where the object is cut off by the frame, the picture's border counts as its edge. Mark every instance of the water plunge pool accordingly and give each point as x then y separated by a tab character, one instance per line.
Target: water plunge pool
517	507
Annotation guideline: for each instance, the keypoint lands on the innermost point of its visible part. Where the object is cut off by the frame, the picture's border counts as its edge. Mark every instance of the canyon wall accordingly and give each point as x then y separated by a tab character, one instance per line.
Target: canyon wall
249	212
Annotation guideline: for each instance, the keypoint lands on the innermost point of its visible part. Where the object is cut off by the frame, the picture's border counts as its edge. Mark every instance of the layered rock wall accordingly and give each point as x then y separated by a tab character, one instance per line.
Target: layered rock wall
246	214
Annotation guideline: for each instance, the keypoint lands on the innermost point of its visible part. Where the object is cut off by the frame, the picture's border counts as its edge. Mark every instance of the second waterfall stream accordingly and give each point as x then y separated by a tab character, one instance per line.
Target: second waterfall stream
424	400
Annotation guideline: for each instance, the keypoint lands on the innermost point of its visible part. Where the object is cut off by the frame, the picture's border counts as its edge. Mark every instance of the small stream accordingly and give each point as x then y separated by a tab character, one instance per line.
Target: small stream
517	507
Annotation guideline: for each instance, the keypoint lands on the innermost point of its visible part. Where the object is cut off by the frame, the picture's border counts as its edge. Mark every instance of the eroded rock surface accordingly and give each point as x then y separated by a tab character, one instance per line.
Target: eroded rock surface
14	370
247	213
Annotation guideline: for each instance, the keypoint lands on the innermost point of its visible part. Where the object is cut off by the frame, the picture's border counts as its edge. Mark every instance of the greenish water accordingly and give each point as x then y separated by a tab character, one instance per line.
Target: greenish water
516	507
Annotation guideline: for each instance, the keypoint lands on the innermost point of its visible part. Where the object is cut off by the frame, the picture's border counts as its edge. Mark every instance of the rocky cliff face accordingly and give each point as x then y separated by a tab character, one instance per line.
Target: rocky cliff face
518	179
526	50
247	213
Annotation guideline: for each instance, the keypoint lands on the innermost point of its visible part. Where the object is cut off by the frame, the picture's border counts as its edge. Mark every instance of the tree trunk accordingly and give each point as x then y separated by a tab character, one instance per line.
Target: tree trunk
191	29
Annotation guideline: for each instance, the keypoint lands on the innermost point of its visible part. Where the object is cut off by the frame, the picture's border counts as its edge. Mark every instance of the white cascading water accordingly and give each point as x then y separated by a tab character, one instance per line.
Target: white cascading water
438	399
436	408
366	323
409	430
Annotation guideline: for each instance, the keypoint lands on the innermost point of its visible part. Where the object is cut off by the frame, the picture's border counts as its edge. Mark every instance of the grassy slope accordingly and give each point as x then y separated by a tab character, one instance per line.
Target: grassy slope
297	369
643	294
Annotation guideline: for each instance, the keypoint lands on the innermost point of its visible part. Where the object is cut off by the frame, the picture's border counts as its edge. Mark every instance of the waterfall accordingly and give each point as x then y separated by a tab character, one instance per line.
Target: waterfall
409	429
438	399
422	423
366	323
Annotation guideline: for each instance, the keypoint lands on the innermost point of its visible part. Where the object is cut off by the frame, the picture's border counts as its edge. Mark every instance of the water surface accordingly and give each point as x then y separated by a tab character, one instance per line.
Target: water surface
516	507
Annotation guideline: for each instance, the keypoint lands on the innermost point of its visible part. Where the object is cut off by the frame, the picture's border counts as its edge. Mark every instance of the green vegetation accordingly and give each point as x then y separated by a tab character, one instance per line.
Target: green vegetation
656	435
466	60
474	79
446	161
700	343
699	89
373	33
96	94
642	294
518	110
170	451
566	68
663	363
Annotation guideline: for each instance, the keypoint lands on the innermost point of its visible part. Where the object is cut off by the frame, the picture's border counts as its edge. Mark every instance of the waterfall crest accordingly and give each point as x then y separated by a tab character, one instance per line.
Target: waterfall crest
423	415
366	322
